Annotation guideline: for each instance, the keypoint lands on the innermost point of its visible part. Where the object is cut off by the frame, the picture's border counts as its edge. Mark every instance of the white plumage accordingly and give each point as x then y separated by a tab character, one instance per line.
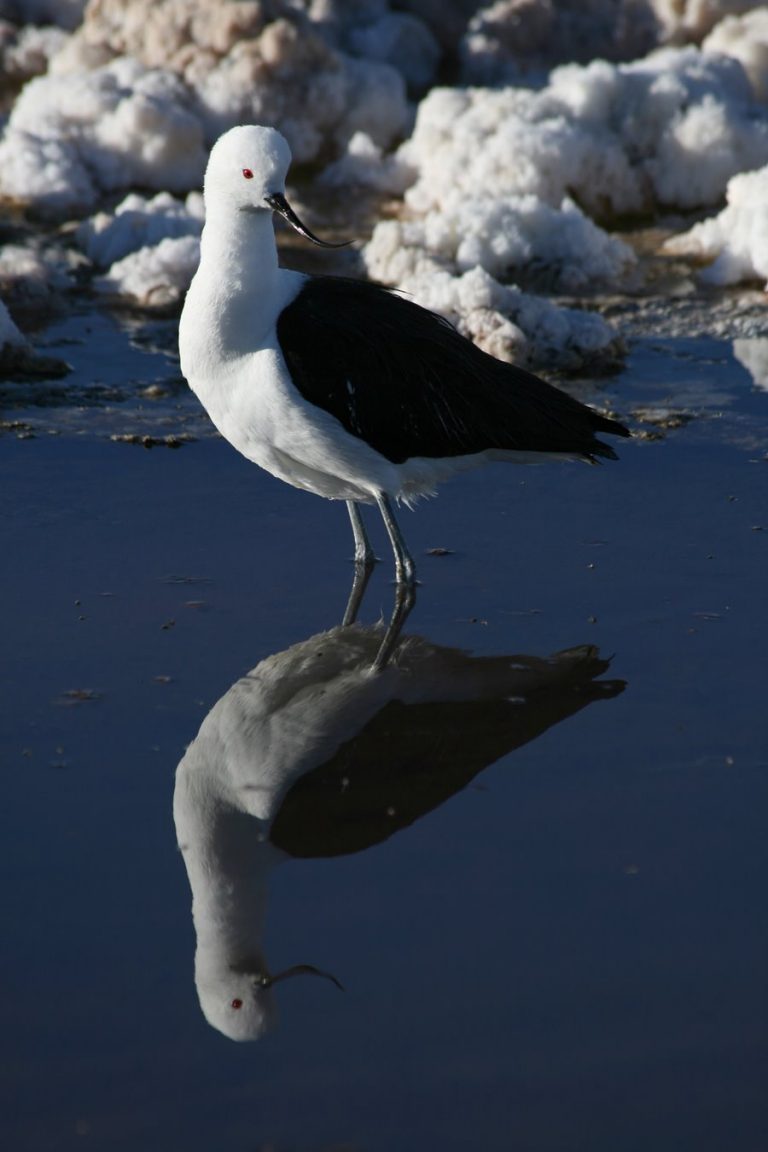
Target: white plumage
342	387
316	711
230	354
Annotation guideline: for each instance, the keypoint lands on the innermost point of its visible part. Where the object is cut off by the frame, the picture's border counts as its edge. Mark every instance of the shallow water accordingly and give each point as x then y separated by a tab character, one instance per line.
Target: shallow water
556	936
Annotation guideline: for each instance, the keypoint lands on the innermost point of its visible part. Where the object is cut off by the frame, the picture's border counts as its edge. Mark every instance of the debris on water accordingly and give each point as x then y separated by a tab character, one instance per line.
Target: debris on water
170	441
78	696
440	552
173	579
663	418
20	364
156	391
20	430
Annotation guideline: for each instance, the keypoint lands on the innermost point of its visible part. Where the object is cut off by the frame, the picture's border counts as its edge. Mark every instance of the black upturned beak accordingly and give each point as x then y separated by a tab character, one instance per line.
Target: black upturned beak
265	980
278	203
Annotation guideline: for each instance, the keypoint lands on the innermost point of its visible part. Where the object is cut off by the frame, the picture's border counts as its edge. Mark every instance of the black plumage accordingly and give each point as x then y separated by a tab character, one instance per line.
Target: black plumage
403	379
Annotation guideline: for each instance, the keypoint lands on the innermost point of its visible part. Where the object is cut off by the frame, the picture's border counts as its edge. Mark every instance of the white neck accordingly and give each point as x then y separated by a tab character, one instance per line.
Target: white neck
228	857
241	241
235	296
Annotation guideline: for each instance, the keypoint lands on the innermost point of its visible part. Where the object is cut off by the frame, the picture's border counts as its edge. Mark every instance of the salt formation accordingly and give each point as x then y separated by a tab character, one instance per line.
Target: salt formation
691	20
249	62
500	179
72	137
137	91
560	247
499	318
150	246
154	276
394	38
446	19
365	164
745	38
502	186
26	52
10	337
37	269
753	354
139	222
510	39
18	359
736	240
670	130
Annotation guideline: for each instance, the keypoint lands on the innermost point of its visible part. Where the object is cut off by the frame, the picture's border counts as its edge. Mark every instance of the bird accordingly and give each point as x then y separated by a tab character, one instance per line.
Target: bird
309	756
344	387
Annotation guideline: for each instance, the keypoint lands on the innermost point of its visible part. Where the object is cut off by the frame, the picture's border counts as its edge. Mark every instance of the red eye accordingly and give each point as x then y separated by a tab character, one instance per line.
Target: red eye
247	173
237	1003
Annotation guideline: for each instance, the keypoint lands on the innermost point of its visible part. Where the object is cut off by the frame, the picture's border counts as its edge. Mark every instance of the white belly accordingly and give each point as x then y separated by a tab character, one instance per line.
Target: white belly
254	404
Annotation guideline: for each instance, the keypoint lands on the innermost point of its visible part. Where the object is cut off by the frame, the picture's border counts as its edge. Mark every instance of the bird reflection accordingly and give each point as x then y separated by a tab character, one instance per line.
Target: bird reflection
314	754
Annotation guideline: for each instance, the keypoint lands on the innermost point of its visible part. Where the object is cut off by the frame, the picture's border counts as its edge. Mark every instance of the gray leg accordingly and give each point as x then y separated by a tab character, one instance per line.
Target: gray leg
405	598
405	569
364	554
356	593
364	562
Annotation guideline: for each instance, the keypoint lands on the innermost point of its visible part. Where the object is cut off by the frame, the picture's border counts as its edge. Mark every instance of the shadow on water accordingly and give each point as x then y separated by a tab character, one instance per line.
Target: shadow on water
313	755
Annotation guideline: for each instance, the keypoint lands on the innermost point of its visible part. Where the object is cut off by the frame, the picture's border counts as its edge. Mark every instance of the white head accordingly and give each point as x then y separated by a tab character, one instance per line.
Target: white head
246	172
246	165
237	998
235	1001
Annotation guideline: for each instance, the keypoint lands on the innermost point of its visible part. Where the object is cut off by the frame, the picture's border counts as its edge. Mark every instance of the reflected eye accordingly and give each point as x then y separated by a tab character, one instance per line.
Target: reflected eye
237	1003
247	173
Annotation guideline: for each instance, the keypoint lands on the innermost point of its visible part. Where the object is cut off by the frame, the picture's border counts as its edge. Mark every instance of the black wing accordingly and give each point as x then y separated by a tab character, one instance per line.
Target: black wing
406	381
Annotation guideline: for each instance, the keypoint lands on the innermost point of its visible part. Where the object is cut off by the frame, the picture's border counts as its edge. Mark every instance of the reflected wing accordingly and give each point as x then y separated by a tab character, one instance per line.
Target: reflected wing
410	758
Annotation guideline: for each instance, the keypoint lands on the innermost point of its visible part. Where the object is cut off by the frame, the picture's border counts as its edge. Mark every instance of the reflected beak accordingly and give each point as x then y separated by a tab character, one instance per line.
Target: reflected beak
278	203
266	981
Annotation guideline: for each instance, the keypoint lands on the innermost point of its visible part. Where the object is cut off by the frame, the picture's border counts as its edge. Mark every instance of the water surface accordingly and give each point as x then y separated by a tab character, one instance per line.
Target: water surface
562	943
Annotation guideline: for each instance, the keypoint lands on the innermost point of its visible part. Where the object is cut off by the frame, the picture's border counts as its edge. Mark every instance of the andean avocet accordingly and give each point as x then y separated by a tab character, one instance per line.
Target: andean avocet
311	756
343	387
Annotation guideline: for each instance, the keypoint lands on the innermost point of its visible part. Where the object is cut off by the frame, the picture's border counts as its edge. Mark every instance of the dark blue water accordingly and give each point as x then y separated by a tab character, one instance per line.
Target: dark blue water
565	952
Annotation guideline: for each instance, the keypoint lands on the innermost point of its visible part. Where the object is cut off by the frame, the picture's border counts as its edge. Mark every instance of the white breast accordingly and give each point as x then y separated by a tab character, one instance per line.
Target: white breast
232	361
